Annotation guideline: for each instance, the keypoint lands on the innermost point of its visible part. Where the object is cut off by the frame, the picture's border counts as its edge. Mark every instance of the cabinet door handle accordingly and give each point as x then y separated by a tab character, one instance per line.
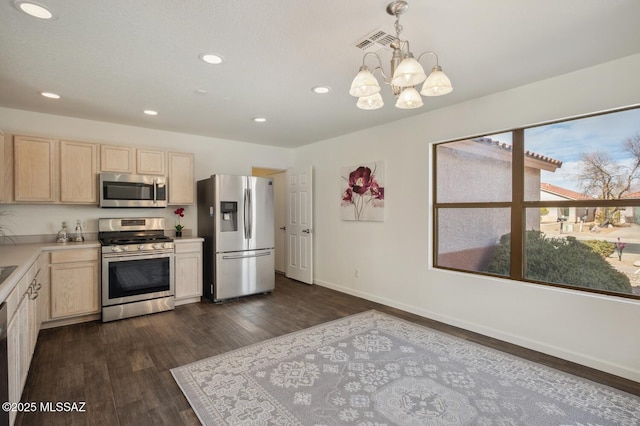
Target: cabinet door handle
32	294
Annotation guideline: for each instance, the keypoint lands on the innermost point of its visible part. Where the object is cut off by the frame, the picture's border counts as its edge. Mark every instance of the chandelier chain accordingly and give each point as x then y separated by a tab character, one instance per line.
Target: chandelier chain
398	26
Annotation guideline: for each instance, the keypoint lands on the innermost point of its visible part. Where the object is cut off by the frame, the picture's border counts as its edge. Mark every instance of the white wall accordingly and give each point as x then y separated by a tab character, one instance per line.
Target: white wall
211	156
394	257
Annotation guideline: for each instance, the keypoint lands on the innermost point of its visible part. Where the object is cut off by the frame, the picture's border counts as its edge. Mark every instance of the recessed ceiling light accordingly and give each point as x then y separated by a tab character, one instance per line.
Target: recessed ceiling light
34	9
211	58
50	95
321	90
150	112
259	119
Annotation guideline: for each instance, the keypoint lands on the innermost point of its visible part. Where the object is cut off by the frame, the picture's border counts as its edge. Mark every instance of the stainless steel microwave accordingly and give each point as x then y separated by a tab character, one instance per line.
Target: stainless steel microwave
126	190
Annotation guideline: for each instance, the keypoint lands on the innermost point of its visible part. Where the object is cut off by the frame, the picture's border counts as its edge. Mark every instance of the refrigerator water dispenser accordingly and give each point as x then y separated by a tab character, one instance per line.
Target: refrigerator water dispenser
228	216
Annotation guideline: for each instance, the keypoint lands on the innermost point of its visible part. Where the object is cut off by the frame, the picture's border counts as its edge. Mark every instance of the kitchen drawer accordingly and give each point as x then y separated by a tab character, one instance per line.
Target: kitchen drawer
79	255
188	247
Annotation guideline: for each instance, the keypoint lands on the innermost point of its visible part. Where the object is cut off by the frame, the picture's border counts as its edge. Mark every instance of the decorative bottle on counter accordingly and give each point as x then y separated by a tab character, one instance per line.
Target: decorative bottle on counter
79	237
63	234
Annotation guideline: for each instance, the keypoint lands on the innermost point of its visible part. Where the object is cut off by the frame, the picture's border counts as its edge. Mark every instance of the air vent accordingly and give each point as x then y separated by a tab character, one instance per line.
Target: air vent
364	44
374	41
377	36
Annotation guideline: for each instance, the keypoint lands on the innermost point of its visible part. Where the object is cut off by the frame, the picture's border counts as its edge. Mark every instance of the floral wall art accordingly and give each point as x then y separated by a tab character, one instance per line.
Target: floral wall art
363	192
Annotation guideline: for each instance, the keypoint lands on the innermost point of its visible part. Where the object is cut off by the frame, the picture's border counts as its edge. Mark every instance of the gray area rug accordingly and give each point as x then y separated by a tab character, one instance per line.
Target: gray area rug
376	369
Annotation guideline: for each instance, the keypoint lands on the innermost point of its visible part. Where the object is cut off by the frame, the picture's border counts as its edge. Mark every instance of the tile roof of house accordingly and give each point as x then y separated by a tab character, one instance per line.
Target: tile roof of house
508	147
563	192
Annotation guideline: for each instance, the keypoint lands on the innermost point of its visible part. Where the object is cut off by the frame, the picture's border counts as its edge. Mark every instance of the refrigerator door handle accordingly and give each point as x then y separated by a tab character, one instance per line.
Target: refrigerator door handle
245	256
250	215
247	231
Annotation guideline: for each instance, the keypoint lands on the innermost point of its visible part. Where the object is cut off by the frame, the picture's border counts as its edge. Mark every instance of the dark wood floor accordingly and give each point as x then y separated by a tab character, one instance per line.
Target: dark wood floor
121	369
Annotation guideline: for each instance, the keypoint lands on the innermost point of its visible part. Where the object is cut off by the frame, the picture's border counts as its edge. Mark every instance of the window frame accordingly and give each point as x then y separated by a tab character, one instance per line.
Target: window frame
518	206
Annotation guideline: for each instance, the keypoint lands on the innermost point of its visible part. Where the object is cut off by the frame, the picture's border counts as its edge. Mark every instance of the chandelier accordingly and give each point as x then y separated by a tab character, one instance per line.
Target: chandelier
406	73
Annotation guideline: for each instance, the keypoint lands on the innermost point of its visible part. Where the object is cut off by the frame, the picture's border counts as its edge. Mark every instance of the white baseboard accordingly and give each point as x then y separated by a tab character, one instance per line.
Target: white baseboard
535	345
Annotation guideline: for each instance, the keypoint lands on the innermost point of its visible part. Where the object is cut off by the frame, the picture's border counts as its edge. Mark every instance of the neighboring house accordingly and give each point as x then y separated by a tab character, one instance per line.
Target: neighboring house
578	214
484	165
550	192
630	214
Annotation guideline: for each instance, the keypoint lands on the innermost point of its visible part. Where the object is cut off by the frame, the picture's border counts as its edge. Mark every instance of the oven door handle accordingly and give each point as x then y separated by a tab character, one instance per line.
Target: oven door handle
134	256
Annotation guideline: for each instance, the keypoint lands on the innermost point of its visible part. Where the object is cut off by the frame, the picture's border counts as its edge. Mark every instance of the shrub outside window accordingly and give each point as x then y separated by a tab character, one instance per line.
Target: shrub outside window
555	204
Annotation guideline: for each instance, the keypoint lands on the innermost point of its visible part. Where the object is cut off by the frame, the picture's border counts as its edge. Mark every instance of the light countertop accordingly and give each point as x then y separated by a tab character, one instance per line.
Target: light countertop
24	255
179	239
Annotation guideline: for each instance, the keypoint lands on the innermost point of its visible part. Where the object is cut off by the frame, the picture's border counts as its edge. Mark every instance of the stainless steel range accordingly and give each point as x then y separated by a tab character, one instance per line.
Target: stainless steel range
137	267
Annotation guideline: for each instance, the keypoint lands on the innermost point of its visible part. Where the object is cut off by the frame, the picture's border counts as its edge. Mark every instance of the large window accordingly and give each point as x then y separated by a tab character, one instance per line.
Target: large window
557	204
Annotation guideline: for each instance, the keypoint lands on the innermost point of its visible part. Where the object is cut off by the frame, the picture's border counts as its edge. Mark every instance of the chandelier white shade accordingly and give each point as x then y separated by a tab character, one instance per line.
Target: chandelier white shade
409	99
437	83
409	73
370	102
365	84
406	73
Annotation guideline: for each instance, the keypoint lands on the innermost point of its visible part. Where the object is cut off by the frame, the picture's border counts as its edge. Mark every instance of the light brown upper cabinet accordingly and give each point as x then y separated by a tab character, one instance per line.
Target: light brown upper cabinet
151	162
52	171
78	172
35	167
181	183
117	159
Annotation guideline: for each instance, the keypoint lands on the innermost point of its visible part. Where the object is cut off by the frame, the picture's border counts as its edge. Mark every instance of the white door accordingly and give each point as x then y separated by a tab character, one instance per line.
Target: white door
280	208
300	225
280	194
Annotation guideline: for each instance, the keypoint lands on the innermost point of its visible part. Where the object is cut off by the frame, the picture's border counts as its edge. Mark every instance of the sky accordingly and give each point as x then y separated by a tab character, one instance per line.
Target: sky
569	140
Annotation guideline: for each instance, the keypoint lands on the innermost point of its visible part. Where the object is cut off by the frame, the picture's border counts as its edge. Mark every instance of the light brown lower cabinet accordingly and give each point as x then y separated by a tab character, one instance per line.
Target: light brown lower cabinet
74	283
188	271
22	333
72	286
15	355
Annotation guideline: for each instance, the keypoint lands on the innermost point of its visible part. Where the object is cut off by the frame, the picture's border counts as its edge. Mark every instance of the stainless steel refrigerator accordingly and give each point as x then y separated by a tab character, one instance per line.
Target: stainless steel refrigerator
236	220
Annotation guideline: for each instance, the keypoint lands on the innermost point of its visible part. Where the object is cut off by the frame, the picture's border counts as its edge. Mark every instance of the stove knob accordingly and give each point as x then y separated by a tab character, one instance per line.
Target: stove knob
164	245
124	248
157	246
141	247
115	248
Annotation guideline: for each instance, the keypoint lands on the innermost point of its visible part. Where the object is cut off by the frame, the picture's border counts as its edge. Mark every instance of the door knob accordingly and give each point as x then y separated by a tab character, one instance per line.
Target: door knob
284	228
306	231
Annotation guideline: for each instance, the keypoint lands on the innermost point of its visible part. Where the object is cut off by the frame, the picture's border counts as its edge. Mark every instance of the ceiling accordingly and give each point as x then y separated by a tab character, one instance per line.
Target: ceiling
110	60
